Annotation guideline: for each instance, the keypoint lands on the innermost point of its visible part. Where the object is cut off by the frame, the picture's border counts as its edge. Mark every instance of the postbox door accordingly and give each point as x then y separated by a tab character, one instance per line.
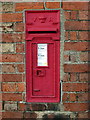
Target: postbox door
43	69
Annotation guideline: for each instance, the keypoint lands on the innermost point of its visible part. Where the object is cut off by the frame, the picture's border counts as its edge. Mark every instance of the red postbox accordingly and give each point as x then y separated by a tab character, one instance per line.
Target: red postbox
43	55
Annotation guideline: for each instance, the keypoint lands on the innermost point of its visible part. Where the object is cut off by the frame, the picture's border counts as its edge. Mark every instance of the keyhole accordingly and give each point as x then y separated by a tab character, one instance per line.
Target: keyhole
38	72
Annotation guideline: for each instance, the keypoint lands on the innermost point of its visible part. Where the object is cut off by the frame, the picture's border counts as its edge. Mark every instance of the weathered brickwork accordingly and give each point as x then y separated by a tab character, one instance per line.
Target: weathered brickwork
75	72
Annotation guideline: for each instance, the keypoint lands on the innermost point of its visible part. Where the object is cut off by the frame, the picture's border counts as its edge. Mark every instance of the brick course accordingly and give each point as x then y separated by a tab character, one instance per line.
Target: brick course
28	5
74	87
77	46
77	25
12	37
12	58
75	5
76	68
12	96
8	68
12	77
76	107
11	17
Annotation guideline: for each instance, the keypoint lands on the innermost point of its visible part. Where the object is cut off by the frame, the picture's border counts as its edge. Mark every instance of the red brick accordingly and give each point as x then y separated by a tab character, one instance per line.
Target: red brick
83	115
75	87
1	57
8	68
76	107
0	87
73	77
0	96
15	37
84	35
12	115
8	87
19	48
84	77
66	58
51	5
0	68
20	87
84	56
29	115
13	87
20	67
7	37
77	46
19	27
12	17
12	77
0	105
67	15
0	16
0	77
21	107
74	15
66	35
1	115
65	97
72	97
77	25
76	68
11	96
75	5
84	15
29	5
73	35
12	58
66	77
83	97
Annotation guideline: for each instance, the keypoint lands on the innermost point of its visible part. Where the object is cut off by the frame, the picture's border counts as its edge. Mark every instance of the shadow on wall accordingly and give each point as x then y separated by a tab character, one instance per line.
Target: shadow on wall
55	117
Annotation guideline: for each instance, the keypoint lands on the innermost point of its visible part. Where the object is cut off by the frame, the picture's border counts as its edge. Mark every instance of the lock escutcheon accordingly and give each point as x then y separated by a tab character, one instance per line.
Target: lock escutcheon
40	72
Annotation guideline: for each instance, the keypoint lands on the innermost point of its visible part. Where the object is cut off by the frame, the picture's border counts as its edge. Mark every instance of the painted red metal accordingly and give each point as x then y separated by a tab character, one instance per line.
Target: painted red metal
43	55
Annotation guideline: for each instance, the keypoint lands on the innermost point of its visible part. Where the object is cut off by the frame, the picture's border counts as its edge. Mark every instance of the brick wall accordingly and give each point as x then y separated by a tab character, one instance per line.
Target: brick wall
75	72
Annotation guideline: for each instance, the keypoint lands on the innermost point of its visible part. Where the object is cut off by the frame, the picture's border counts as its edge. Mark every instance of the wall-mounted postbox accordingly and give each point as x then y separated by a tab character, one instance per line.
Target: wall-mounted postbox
43	55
